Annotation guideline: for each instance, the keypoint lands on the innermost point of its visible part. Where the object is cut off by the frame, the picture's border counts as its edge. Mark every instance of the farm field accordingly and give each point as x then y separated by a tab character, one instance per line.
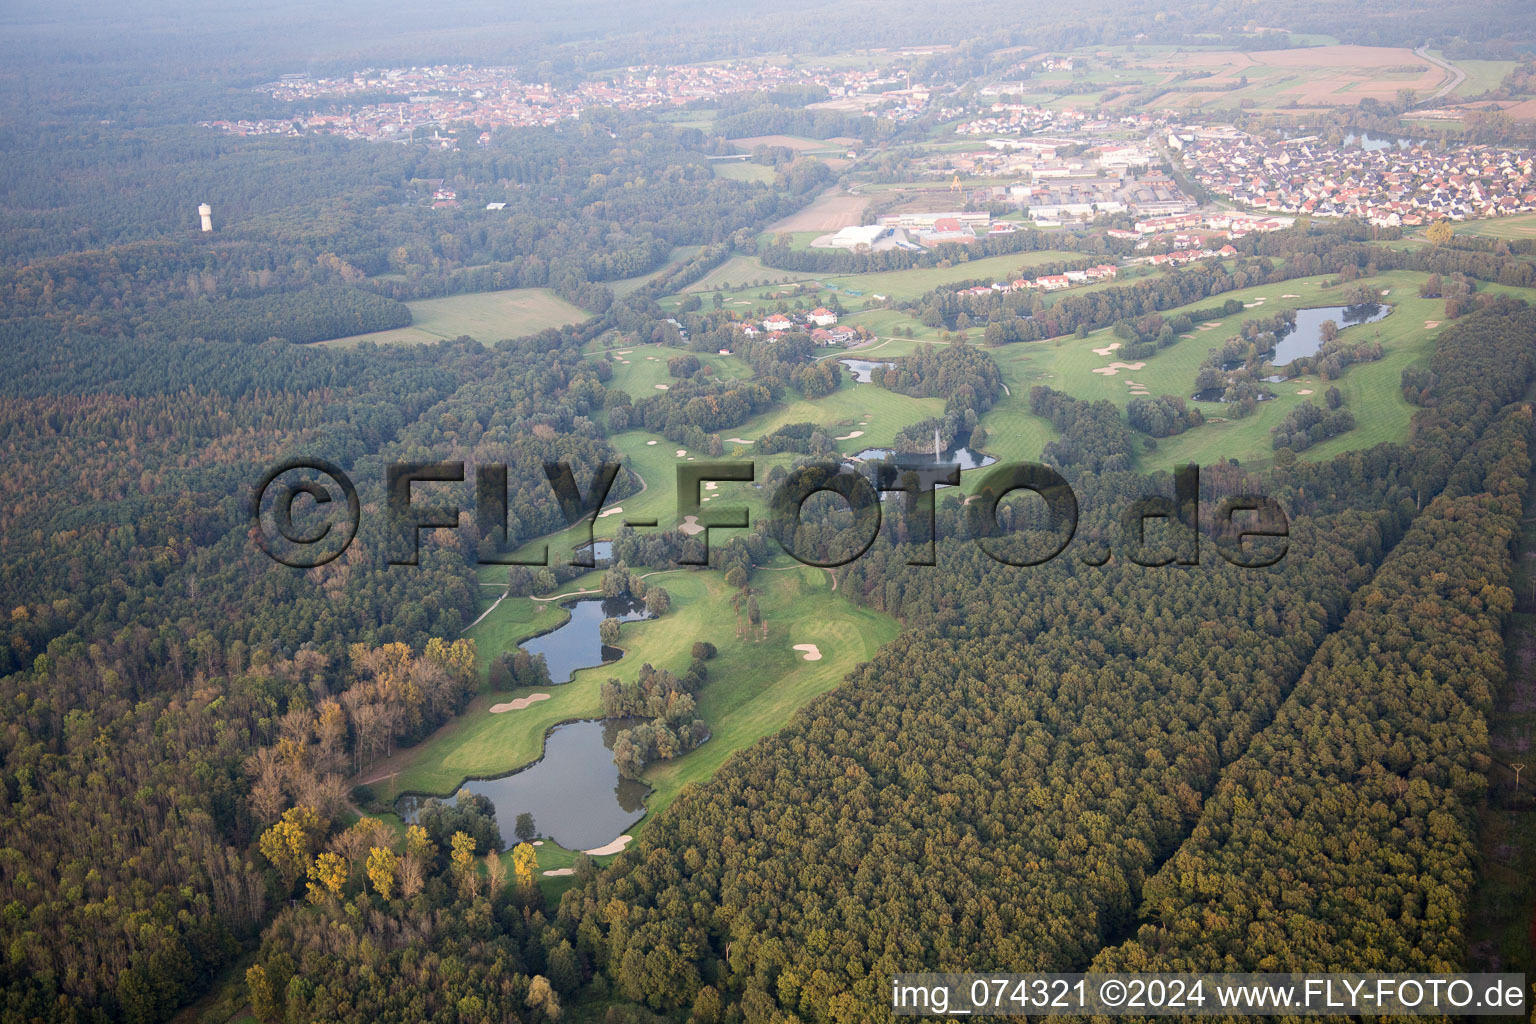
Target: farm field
735	170
485	316
1482	75
798	143
829	211
1309	76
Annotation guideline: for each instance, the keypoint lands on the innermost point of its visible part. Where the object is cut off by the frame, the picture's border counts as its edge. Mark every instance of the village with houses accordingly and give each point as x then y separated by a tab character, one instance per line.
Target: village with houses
1395	183
426	102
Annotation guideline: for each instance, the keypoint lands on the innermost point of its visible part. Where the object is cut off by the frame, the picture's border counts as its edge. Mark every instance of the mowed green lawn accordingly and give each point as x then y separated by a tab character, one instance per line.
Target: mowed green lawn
742	170
1520	226
656	464
638	369
872	412
1371	390
734	279
755	683
737	272
485	316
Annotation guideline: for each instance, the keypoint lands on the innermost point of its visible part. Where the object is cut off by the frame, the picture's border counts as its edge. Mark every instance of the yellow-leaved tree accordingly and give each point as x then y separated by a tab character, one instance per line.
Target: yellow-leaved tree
382	865
463	858
327	877
290	843
525	863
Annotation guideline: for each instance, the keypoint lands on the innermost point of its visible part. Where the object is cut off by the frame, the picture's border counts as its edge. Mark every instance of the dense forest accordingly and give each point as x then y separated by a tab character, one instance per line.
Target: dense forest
973	800
1102	761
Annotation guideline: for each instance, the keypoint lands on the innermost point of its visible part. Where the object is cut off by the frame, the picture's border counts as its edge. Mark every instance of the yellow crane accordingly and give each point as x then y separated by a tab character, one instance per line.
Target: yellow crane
954	186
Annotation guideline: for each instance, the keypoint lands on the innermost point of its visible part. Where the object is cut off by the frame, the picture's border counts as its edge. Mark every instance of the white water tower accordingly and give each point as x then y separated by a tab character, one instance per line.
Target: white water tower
206	212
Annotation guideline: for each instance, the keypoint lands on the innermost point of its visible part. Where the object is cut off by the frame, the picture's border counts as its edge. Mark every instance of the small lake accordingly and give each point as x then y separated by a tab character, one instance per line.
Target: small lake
575	793
577	644
602	552
1307	336
960	453
1218	395
1371	143
863	370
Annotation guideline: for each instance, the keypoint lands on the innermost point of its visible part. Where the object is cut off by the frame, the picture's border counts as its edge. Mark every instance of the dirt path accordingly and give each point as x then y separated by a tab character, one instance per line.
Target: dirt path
579	593
499	598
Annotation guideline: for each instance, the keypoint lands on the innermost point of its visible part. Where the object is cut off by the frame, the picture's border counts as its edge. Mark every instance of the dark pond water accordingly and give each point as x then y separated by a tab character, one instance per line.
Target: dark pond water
575	793
1307	337
960	453
602	551
577	644
1215	395
863	369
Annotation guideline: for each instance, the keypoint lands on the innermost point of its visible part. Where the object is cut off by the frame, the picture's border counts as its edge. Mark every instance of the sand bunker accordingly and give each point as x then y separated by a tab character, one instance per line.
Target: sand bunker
519	704
558	872
812	652
738	440
538	842
850	436
691	526
1430	325
1304	391
1107	349
710	485
1205	327
1114	368
1386	291
613	847
650	359
651	442
605	513
623	351
661	387
1288	295
1213	323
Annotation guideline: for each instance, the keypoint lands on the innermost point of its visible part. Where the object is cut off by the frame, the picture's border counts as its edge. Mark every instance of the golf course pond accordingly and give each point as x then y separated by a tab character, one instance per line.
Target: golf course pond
1307	336
578	644
574	792
863	370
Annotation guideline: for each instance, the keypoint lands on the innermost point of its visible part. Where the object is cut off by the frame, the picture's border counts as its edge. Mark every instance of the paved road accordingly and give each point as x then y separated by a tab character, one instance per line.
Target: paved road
1457	75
